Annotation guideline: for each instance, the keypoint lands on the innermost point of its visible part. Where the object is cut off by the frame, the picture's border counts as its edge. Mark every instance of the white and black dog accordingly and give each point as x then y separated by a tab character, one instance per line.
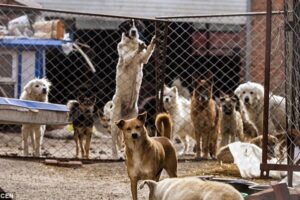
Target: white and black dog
133	54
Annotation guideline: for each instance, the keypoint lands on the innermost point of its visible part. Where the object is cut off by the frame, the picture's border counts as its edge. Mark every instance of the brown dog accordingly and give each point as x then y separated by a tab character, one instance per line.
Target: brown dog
146	157
205	117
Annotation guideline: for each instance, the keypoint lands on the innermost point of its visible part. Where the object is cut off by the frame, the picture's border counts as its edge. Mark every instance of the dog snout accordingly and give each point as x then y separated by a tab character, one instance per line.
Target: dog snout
167	100
133	33
247	99
134	135
44	90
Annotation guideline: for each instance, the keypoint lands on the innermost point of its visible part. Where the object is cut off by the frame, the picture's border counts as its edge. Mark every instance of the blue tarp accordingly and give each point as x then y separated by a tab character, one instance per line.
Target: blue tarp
33	104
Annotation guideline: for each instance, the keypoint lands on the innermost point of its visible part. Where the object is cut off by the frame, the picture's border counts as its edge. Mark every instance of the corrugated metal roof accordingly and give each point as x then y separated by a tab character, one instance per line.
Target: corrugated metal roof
149	8
30	3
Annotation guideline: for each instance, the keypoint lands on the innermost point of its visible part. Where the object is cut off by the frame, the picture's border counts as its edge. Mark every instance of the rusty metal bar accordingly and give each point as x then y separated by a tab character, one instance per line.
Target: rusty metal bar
161	32
267	85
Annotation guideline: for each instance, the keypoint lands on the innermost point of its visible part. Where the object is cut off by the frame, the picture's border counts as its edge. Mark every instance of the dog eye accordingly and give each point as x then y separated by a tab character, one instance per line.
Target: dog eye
244	92
128	129
37	86
137	127
251	92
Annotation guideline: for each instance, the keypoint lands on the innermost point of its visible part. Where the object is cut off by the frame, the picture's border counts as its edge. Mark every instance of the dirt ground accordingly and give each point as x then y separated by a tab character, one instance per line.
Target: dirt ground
109	181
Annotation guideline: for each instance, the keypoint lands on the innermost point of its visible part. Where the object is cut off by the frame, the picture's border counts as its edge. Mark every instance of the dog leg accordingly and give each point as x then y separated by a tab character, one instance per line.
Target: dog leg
80	135
43	130
205	145
185	141
37	142
147	54
76	139
25	133
88	142
198	148
133	182
32	137
115	132
213	140
225	139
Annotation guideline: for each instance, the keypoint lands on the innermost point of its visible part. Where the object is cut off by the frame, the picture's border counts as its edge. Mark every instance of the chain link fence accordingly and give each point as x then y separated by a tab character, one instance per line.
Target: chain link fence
35	56
230	47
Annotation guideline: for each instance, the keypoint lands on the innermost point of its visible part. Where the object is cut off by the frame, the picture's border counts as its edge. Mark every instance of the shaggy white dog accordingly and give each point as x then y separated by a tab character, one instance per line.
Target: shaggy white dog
252	97
179	109
34	90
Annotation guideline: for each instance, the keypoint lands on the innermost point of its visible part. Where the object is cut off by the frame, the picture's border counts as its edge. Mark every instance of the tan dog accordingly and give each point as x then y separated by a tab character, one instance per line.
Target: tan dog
190	188
34	90
146	157
204	114
231	120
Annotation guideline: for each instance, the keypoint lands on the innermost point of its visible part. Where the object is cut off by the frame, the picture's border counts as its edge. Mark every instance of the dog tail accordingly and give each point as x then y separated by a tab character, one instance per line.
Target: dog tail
163	125
72	105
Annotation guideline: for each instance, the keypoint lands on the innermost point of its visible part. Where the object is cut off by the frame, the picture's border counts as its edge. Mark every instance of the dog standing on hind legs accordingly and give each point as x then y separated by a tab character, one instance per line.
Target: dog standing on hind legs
146	156
205	117
82	117
133	54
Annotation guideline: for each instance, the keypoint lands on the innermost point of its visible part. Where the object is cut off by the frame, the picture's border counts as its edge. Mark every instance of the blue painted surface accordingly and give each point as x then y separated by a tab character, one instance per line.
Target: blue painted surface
26	43
39	72
19	74
33	104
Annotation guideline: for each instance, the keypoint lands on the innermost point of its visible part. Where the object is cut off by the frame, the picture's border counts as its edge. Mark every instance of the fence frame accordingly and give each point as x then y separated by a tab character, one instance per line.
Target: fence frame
161	27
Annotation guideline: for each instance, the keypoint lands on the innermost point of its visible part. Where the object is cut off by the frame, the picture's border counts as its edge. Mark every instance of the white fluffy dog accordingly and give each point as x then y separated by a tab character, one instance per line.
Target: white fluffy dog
133	54
252	97
190	188
34	90
179	109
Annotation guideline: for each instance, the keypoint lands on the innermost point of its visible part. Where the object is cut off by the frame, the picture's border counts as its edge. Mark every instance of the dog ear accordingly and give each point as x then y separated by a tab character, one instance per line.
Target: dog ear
139	25
165	87
236	99
237	92
124	26
174	89
142	117
151	184
120	124
28	87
